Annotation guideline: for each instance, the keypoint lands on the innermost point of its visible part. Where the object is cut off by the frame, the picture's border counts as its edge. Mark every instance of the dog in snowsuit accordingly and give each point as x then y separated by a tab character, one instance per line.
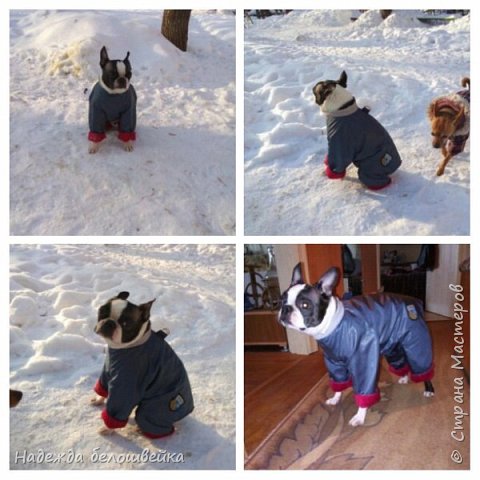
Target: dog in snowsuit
353	334
354	136
141	370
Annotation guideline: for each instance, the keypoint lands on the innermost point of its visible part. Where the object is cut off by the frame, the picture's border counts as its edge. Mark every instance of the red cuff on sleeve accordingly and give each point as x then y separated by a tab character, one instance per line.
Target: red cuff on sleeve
127	136
96	137
366	401
422	377
155	436
340	386
401	372
100	390
333	175
111	422
380	187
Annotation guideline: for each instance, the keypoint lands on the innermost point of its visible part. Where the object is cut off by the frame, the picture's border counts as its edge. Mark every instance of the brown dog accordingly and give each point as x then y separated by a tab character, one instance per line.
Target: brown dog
450	121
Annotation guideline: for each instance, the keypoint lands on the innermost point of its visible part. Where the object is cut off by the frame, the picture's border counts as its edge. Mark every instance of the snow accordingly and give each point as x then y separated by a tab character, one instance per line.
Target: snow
55	357
184	157
396	67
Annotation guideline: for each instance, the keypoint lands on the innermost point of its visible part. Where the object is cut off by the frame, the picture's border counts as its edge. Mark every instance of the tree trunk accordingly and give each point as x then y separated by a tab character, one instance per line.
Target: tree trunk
175	27
385	13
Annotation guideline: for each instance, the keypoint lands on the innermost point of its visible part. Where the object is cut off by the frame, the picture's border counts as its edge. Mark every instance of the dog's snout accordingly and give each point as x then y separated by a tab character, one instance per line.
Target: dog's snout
105	328
121	82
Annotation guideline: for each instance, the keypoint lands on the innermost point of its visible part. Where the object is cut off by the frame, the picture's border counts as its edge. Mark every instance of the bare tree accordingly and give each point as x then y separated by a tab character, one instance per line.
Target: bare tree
175	27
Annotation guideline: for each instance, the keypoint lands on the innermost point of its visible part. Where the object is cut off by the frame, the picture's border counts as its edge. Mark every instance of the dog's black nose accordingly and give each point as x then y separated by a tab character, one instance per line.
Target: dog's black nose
106	328
121	82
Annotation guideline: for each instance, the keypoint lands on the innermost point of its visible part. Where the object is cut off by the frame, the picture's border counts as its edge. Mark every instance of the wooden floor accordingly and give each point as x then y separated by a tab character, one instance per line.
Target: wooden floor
276	381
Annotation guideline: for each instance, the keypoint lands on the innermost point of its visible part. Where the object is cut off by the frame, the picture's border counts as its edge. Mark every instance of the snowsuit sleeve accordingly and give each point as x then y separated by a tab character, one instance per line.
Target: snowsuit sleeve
97	117
124	392
363	365
341	151
128	119
340	378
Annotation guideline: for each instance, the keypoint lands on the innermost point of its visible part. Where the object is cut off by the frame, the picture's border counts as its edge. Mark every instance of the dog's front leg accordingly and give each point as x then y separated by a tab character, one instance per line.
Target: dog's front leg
106	431
359	418
335	399
93	147
128	146
97	400
446	158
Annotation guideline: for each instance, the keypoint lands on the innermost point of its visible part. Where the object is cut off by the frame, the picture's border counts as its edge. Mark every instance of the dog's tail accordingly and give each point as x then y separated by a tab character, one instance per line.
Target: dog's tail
466	82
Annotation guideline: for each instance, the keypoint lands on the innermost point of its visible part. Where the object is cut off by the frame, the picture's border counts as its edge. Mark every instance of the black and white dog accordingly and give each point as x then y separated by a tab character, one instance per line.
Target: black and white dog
141	370
353	334
113	103
354	136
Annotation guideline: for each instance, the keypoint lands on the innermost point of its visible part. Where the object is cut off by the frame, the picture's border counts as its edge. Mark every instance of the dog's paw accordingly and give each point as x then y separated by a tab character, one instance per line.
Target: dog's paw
335	399
440	172
428	394
93	147
128	146
403	380
97	400
359	418
106	431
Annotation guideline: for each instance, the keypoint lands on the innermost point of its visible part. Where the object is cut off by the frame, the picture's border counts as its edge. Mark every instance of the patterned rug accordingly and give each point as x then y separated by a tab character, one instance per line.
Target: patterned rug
404	430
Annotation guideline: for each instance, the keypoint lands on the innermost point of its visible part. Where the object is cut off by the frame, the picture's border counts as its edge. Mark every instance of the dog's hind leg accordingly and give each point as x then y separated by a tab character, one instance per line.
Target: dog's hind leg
429	390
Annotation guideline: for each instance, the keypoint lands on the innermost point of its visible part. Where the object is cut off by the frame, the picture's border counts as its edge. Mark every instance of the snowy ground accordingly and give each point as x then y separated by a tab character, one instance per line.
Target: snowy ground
396	67
180	180
56	357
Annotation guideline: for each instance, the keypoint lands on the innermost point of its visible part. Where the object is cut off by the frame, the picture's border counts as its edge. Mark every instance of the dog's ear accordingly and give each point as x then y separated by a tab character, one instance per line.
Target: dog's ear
123	295
328	281
103	57
297	275
126	58
432	110
342	81
436	108
145	308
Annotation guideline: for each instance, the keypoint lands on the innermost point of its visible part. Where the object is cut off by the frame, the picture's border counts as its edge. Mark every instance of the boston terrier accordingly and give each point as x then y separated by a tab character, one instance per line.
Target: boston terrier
112	103
141	370
354	136
354	333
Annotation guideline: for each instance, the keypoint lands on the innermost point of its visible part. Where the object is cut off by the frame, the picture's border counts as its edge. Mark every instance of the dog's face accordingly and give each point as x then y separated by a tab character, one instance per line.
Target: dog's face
116	74
121	322
304	306
444	123
325	88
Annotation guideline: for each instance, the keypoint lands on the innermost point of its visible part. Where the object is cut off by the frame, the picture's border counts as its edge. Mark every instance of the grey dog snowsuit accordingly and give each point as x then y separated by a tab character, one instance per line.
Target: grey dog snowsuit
107	109
150	377
354	136
375	325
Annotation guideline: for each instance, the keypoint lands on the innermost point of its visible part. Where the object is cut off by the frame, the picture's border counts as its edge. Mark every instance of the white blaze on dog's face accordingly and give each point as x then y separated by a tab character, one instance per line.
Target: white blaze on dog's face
117	307
309	308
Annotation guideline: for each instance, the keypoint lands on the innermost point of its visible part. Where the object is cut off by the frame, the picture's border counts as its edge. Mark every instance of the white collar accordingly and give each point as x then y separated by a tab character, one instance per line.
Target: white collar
140	340
333	316
113	91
